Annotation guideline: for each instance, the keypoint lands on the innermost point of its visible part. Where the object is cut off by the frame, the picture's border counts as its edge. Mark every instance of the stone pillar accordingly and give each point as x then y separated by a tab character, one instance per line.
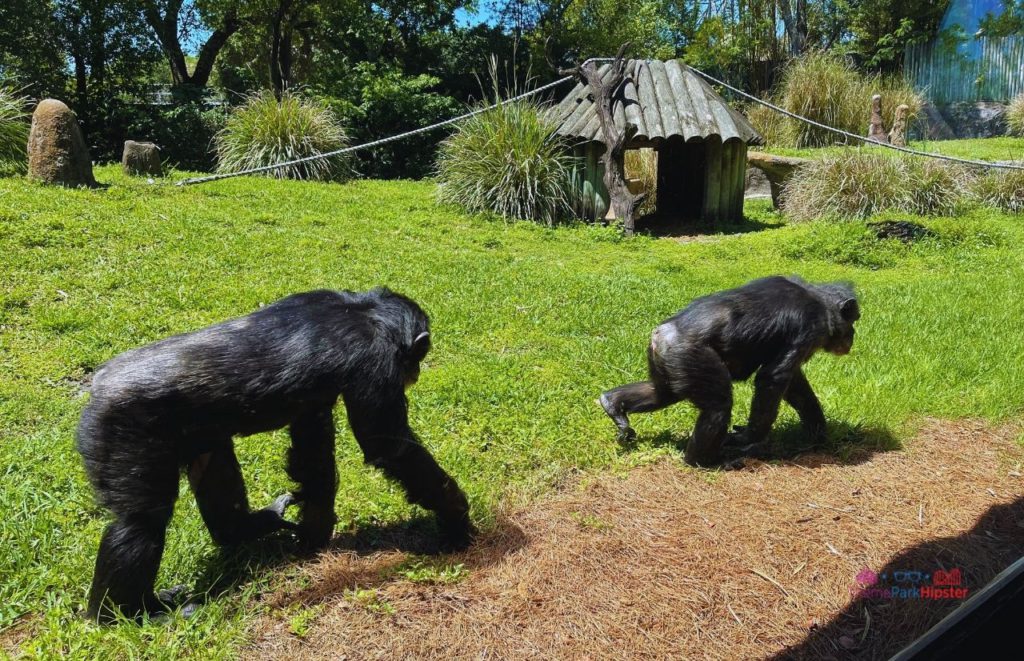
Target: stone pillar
876	131
56	150
898	134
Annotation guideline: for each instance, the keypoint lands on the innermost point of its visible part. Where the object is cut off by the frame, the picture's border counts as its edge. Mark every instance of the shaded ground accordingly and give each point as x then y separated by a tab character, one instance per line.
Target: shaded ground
664	561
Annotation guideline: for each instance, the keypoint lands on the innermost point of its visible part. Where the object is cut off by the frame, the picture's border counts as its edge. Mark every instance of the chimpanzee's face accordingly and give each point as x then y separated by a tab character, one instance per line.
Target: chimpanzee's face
841	342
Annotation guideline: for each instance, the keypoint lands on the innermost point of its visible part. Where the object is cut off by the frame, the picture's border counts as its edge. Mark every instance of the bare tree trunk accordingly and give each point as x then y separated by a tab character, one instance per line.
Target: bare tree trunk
605	93
794	18
166	28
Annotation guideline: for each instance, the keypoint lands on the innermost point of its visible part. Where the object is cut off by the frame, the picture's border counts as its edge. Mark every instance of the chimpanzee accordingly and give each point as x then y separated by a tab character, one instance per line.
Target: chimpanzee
771	326
176	404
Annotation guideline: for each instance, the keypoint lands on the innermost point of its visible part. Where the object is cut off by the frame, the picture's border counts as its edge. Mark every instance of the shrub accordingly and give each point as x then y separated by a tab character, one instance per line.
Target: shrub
263	131
383	101
859	184
184	132
827	89
13	132
1015	116
1003	189
509	161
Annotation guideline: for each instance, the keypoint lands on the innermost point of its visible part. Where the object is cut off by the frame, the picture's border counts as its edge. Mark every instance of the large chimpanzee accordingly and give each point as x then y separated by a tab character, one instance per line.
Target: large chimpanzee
176	404
771	326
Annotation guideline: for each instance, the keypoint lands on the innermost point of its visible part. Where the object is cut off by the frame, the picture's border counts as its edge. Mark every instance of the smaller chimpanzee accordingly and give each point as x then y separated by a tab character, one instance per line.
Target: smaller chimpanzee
771	326
176	404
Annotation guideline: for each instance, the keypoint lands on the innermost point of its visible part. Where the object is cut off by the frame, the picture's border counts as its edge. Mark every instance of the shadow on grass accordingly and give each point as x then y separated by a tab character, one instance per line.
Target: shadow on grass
877	623
370	552
368	559
846	444
676	227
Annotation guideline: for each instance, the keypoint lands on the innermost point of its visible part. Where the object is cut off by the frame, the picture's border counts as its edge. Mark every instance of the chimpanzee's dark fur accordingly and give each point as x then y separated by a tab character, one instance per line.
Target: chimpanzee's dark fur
771	326
176	404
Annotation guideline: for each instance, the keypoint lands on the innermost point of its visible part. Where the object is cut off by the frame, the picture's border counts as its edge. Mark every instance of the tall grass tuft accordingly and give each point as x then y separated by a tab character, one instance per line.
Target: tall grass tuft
1015	116
827	89
859	184
264	131
1002	189
508	161
14	129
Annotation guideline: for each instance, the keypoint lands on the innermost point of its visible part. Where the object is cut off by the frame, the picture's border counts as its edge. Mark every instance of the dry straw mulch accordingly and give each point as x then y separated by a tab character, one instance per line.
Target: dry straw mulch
664	562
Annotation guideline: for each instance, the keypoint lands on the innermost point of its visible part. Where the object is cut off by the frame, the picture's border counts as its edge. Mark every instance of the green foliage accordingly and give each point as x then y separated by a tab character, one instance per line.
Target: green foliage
508	161
184	132
861	183
529	323
596	28
432	570
265	131
1015	116
13	132
828	90
384	102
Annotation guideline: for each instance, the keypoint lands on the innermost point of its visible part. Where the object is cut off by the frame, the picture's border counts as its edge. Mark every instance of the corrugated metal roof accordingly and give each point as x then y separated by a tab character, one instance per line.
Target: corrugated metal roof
663	99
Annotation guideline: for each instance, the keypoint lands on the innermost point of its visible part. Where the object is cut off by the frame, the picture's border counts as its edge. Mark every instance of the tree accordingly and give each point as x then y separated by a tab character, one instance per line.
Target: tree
171	20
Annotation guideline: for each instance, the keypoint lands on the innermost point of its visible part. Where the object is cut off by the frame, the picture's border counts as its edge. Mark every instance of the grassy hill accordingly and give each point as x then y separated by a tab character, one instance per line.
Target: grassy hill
530	324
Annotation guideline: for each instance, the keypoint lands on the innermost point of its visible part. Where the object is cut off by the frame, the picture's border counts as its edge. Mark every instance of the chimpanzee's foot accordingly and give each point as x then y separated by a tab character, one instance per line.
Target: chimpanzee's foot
173	599
456	534
737	437
626	433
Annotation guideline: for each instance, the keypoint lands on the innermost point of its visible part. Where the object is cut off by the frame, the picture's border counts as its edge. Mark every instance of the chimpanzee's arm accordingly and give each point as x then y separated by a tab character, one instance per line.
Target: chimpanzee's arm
801	397
380	424
770	385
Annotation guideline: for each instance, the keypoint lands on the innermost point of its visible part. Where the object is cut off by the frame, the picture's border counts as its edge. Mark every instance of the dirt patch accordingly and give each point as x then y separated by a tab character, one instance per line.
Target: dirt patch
664	561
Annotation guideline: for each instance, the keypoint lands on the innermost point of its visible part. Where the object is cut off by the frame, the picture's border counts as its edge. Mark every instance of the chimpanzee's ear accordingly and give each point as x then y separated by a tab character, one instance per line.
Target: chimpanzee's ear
420	347
850	310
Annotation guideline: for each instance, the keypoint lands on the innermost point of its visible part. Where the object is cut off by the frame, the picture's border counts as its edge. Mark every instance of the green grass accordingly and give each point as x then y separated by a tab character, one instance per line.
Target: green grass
530	324
982	149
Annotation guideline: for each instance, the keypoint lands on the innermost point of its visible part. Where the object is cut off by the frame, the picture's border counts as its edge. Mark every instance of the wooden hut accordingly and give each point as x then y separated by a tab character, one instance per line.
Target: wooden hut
701	142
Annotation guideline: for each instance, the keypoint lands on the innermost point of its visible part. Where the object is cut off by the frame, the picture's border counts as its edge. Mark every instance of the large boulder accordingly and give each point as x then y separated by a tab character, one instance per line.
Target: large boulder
56	150
876	130
141	158
778	170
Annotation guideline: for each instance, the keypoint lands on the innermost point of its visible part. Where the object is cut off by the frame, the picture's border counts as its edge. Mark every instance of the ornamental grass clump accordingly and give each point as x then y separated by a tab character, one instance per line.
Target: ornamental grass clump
859	184
508	161
1015	116
264	131
14	129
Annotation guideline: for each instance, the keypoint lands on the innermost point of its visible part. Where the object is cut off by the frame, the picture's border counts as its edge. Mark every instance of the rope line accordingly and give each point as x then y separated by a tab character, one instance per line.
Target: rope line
367	145
524	95
906	150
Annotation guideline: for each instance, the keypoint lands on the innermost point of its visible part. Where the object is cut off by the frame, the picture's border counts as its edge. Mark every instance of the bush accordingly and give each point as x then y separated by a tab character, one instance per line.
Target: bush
508	161
859	184
383	102
827	89
264	131
13	132
1002	189
184	132
642	164
1015	116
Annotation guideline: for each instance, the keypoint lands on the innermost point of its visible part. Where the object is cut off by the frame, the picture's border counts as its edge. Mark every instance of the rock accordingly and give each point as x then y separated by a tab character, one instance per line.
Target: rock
934	124
778	169
56	150
903	230
757	184
898	134
141	158
876	130
982	119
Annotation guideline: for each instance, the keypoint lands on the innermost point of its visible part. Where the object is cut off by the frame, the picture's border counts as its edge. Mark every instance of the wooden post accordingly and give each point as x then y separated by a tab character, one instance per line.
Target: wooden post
605	93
